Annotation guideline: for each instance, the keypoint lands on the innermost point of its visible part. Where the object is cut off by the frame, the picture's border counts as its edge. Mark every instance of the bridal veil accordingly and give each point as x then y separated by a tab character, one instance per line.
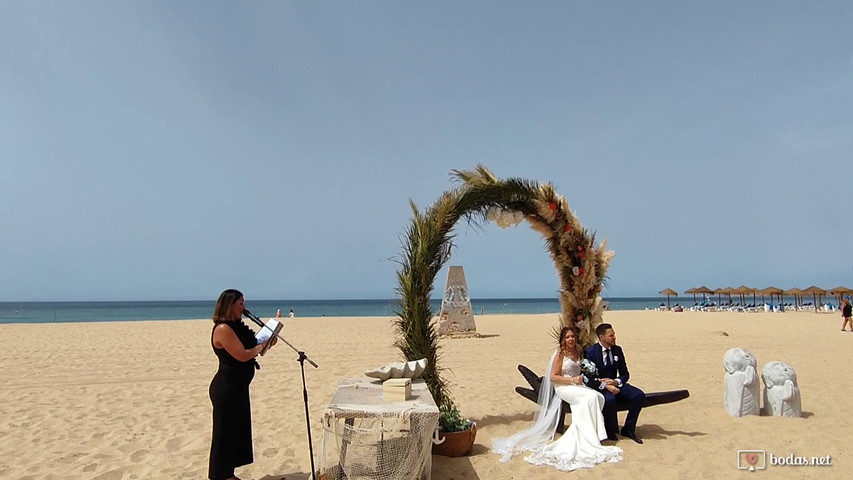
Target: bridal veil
544	422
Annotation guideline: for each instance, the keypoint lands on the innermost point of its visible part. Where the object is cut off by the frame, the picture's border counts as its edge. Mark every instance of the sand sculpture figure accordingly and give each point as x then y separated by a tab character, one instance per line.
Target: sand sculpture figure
456	316
741	384
781	393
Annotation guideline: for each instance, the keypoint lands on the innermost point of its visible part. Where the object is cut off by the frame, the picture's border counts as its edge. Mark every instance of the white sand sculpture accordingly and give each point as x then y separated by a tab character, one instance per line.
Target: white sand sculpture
781	393
456	316
413	370
741	383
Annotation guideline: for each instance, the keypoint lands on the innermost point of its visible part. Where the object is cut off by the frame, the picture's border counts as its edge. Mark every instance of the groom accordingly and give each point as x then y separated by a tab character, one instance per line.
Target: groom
613	373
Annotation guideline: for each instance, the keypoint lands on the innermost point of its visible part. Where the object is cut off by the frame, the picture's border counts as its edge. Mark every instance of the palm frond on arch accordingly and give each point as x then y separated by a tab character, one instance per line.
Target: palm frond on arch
428	243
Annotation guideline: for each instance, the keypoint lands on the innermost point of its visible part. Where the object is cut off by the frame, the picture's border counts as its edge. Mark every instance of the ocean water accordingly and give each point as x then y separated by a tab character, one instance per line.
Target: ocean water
65	312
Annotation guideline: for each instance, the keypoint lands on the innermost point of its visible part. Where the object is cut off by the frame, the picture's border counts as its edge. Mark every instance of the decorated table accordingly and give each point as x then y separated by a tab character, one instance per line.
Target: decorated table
365	437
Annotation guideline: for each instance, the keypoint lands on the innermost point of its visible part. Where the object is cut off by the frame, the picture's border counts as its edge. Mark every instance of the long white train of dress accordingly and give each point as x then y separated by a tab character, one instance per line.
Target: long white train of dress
580	446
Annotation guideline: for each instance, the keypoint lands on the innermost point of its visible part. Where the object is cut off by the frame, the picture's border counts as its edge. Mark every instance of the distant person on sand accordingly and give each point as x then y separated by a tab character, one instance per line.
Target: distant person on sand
290	315
235	345
846	314
278	313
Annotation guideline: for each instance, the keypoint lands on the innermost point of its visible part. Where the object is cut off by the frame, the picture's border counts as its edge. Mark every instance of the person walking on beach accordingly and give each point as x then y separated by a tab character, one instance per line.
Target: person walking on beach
235	345
846	314
610	362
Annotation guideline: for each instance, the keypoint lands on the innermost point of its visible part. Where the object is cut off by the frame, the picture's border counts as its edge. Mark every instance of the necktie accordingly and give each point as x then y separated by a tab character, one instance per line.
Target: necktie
606	357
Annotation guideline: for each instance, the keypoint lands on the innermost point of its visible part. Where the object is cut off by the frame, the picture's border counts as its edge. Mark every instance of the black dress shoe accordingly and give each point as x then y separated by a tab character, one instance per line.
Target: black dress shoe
633	436
612	437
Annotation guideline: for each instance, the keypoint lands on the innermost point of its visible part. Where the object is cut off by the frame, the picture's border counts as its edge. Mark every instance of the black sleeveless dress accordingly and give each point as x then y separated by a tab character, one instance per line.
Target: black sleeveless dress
231	445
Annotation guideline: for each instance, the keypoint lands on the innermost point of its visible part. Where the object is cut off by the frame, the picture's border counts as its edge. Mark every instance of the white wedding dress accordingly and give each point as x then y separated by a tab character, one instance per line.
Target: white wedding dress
580	446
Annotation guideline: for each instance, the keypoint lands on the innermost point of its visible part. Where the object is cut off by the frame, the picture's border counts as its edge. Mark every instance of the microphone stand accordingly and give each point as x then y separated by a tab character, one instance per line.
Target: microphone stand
302	358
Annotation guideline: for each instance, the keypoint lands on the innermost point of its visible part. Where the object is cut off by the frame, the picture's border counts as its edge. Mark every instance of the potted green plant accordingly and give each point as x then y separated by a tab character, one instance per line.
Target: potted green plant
456	434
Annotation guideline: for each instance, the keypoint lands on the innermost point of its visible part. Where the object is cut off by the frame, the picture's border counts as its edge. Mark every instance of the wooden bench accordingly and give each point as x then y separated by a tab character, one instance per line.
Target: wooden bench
535	381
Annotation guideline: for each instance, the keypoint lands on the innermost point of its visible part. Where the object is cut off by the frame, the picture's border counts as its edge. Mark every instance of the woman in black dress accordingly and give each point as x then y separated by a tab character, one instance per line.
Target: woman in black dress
235	345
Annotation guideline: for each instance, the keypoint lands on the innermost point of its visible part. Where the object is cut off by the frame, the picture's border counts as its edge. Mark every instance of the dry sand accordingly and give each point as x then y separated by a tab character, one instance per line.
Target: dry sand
129	400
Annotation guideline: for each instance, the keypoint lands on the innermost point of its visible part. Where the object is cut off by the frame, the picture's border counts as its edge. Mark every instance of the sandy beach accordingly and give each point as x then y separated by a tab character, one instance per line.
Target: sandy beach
121	400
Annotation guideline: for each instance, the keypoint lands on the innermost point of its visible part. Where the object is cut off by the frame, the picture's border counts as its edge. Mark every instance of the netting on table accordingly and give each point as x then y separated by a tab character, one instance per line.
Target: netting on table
366	438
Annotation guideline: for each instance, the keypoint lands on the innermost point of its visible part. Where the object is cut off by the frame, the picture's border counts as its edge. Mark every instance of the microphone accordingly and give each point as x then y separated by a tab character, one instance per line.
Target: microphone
261	323
257	320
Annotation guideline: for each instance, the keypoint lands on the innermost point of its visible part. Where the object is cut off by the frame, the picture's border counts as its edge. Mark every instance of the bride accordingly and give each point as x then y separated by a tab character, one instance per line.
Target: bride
580	446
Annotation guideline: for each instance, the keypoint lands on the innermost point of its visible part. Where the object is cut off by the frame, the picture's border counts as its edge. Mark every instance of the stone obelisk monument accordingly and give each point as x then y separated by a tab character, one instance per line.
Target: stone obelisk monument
456	317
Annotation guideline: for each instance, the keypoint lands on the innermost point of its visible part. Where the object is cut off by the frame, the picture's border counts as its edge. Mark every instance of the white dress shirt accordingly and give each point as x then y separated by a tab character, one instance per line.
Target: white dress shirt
605	351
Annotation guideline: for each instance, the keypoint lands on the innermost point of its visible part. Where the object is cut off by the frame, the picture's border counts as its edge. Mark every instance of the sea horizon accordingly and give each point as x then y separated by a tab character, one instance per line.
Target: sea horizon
149	310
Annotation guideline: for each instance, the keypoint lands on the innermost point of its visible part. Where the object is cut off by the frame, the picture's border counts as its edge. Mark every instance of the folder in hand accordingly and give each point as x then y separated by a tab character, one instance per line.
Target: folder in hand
271	329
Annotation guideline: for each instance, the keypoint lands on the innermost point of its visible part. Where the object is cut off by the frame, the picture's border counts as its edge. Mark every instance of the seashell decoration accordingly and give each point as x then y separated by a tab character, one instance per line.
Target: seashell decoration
413	370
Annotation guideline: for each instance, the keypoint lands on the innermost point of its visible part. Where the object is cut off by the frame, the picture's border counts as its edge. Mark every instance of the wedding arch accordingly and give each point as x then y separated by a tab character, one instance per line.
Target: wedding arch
427	243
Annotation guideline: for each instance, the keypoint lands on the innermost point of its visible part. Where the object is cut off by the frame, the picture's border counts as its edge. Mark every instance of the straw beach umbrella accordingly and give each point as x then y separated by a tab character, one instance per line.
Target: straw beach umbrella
668	292
839	293
703	290
744	290
693	291
771	291
797	293
817	294
724	291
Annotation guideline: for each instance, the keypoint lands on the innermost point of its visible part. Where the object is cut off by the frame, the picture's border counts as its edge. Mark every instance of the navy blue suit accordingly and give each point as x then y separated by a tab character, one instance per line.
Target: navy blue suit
618	369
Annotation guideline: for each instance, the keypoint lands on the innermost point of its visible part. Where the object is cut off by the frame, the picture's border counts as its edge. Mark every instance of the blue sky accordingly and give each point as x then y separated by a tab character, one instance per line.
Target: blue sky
168	150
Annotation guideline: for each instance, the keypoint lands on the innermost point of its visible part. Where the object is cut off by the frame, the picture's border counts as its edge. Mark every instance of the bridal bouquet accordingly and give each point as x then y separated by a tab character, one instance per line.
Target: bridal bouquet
588	369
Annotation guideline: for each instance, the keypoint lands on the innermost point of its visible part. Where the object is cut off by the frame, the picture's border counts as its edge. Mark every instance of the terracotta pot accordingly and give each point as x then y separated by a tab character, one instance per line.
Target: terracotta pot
455	444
